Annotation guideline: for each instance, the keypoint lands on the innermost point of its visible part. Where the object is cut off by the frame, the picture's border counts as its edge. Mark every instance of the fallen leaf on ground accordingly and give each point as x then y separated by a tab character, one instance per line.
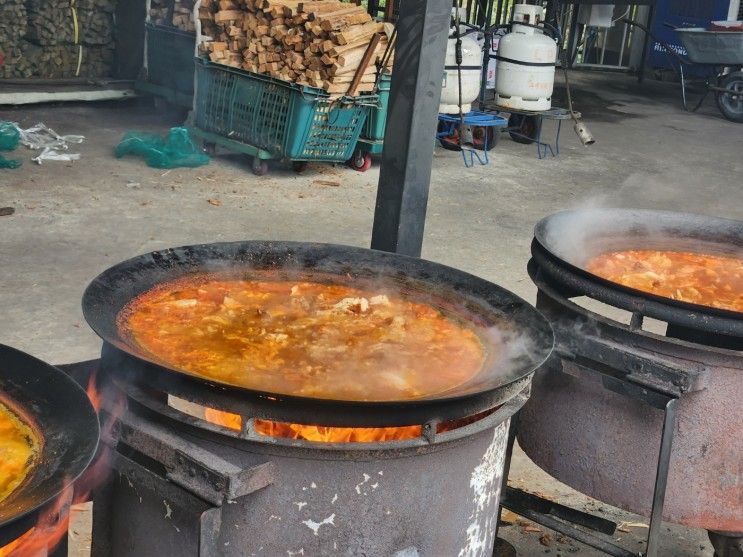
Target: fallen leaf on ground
215	202
529	528
330	183
507	517
6	211
545	540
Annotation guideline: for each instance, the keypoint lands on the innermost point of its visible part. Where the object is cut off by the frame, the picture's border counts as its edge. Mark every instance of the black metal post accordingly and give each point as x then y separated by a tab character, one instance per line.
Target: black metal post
402	194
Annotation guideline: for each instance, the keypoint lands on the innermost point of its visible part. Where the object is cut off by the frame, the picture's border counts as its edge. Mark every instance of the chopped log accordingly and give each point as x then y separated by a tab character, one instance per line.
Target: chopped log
346	36
342	10
12	22
339	22
224	16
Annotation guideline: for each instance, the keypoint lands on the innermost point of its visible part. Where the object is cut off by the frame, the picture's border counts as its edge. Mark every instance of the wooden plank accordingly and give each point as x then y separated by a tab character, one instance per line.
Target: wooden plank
365	61
346	36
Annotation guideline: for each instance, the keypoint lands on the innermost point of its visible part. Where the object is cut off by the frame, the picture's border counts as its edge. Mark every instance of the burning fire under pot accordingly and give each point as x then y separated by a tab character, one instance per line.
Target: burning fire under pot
207	468
648	421
61	429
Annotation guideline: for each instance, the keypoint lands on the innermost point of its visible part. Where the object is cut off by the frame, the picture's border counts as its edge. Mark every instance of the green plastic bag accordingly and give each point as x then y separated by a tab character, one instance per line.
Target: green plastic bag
9	136
173	151
9	163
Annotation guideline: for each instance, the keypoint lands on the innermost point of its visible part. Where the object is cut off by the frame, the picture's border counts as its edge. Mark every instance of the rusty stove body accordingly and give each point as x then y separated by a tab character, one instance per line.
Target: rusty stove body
648	422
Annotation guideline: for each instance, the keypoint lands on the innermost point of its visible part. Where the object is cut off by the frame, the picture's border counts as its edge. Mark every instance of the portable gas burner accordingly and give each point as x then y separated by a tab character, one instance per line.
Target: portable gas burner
205	468
34	516
648	422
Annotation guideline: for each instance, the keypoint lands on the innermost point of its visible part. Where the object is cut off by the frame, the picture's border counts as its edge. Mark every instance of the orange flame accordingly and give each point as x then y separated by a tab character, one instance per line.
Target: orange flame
317	433
225	419
93	393
325	434
49	530
8	550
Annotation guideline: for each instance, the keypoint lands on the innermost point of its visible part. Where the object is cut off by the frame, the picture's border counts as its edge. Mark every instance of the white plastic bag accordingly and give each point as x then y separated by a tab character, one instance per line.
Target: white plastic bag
42	137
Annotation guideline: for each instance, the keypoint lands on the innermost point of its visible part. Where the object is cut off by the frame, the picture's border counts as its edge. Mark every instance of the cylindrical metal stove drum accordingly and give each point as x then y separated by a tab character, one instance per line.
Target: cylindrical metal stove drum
605	444
438	498
442	500
434	494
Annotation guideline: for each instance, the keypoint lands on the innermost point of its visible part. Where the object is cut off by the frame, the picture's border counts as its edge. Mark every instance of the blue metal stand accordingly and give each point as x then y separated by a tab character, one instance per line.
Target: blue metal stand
544	148
475	119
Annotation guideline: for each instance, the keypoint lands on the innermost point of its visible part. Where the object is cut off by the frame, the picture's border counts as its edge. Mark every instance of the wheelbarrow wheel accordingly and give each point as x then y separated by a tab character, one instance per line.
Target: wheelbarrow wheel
731	103
259	167
361	161
523	129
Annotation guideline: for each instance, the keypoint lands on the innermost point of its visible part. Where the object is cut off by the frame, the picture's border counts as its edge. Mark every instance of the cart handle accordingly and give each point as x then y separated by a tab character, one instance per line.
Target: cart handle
680	59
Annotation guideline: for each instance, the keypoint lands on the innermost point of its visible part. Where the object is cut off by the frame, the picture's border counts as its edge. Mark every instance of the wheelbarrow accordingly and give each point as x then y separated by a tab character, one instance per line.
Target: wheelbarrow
722	53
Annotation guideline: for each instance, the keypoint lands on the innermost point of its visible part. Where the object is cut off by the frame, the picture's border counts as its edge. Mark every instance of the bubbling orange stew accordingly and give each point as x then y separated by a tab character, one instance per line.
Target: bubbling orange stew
709	280
306	339
18	450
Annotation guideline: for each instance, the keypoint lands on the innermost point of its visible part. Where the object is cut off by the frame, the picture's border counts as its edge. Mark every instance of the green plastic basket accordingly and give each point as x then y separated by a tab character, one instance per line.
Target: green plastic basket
377	119
170	60
285	119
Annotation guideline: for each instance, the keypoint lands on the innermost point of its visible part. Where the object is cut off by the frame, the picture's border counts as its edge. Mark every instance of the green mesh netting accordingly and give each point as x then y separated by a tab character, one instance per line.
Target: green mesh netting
173	151
9	136
9	139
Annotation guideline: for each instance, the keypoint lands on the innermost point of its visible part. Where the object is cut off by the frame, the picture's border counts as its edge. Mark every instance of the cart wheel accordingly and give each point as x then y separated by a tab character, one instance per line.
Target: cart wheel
731	104
299	166
260	167
479	133
209	147
526	126
361	161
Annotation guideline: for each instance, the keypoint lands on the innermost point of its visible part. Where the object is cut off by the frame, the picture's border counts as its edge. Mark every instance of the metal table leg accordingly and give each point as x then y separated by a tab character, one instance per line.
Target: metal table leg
661	476
563	519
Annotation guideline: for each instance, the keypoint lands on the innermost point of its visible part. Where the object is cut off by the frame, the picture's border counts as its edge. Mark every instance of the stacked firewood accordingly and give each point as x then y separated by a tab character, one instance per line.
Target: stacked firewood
60	38
181	16
53	24
60	61
14	64
12	22
322	43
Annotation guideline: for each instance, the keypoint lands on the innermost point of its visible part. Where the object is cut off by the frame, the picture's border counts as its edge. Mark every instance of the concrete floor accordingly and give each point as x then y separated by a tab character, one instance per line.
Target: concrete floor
73	220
